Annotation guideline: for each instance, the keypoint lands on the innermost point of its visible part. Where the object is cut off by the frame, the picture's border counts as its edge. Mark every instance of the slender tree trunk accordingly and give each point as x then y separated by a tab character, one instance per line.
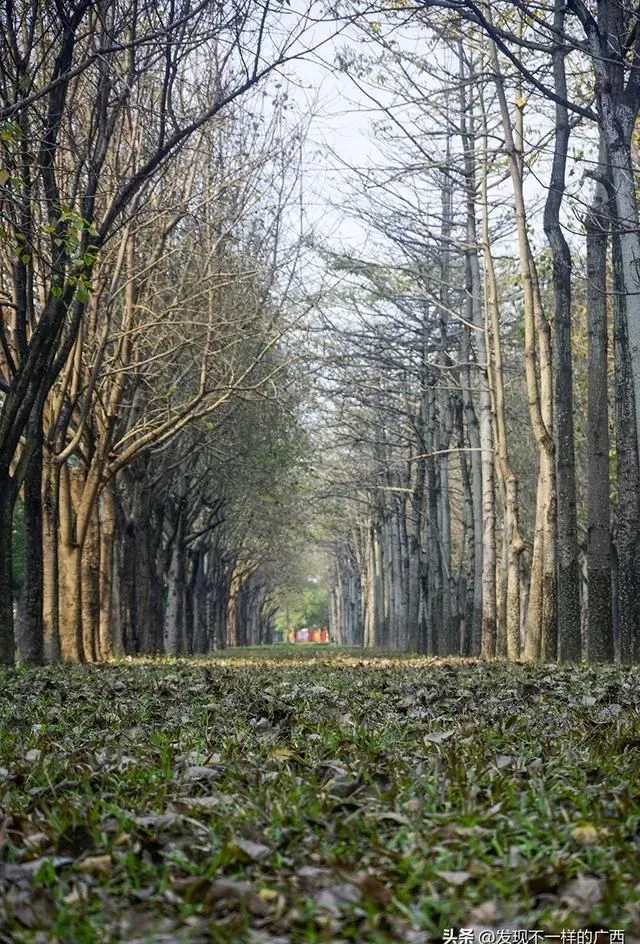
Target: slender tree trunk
488	629
110	643
444	521
415	506
7	502
50	515
568	589
175	610
462	645
599	559
90	589
541	641
474	628
31	637
513	544
70	569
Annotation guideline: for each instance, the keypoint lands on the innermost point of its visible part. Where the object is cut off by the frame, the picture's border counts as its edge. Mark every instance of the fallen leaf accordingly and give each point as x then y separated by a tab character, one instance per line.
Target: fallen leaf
455	878
312	875
96	865
16	873
198	774
211	802
280	753
237	892
268	894
582	893
36	842
586	834
504	760
157	820
607	714
32	907
335	897
483	915
393	817
374	889
247	851
343	788
437	737
263	937
476	830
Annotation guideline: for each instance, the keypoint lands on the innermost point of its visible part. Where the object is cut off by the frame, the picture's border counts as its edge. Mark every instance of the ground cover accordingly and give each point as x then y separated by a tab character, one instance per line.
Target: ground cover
307	795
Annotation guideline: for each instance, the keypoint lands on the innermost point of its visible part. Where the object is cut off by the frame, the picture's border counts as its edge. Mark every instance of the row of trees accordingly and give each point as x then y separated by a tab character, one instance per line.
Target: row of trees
149	415
151	422
454	529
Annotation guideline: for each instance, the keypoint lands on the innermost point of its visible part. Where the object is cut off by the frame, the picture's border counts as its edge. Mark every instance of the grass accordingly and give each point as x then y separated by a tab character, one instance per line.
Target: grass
307	794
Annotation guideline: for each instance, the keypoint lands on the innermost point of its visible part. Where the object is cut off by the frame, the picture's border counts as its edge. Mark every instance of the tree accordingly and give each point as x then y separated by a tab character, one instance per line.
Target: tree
78	160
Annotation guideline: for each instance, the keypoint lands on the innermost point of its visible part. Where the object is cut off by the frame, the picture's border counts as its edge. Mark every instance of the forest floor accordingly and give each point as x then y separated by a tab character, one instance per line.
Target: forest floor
311	794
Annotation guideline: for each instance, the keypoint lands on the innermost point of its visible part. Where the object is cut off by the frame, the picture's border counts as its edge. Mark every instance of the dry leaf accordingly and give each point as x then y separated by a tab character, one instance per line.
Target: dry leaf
393	817
96	865
483	915
268	894
36	842
374	889
18	872
437	737
157	820
337	896
280	753
247	851
199	774
504	760
581	894
607	714
208	802
237	892
586	834
312	875
455	878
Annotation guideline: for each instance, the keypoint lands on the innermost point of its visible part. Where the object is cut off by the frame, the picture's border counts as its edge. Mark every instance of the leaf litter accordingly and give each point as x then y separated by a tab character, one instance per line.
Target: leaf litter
277	796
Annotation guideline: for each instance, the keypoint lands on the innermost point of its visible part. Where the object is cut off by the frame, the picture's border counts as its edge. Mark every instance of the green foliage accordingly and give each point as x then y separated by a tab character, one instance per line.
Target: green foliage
307	606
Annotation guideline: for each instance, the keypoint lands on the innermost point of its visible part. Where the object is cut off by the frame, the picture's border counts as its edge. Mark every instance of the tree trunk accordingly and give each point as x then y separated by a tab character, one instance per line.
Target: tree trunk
568	588
31	637
7	502
70	568
109	642
541	613
513	545
90	589
51	570
176	578
488	628
599	561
